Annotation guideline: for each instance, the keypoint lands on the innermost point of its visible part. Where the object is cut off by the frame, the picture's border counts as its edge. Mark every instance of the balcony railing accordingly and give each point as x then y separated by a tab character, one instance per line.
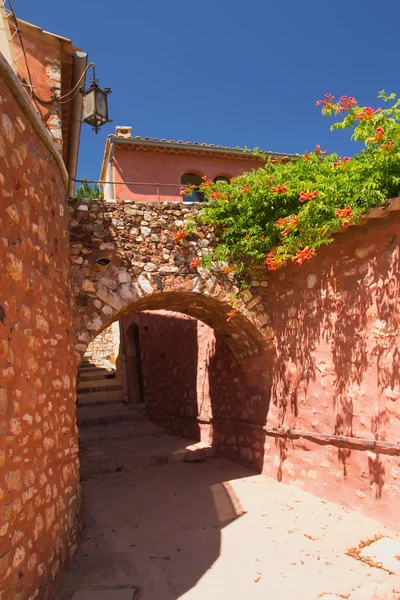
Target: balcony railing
139	190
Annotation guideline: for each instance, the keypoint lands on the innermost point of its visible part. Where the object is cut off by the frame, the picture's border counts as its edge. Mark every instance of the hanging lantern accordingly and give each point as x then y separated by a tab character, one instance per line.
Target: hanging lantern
95	105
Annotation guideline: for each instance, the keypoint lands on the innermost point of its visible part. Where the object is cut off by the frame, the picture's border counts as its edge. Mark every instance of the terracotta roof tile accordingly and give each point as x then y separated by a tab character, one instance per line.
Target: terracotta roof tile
139	138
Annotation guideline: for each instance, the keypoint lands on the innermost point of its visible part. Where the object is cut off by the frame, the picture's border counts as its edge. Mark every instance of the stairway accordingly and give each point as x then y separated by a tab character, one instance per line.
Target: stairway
98	385
100	396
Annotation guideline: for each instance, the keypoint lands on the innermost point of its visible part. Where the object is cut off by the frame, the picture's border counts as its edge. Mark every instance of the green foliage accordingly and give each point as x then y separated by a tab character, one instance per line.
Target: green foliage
88	191
290	208
190	226
207	261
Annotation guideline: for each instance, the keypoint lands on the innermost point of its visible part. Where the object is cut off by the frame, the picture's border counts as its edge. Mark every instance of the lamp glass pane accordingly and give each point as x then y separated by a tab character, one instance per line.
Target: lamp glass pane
101	104
89	105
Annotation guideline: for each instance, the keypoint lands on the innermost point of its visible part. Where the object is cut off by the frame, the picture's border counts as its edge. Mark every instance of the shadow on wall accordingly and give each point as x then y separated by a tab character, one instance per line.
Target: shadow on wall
134	364
240	397
334	322
194	386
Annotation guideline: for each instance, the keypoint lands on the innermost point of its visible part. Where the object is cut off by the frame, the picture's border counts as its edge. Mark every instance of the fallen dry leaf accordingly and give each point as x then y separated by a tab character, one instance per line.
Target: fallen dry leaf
310	537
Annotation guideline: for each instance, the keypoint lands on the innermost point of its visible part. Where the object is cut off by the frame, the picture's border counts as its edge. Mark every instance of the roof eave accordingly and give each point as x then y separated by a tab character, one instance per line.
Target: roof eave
193	147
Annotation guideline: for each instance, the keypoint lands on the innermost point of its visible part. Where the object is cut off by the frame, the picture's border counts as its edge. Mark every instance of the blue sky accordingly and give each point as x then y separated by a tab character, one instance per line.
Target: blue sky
227	71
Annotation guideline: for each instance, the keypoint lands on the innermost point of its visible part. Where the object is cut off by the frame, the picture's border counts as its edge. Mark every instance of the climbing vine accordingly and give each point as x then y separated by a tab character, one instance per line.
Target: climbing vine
287	210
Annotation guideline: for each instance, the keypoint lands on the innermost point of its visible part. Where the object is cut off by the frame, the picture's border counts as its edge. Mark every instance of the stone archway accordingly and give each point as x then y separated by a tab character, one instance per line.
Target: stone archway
131	257
240	333
232	359
128	258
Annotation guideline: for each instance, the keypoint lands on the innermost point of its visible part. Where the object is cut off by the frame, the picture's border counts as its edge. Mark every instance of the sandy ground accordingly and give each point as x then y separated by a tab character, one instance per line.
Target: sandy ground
213	530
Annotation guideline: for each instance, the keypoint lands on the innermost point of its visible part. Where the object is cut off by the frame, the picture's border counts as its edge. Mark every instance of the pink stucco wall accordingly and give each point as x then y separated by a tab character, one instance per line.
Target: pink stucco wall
152	166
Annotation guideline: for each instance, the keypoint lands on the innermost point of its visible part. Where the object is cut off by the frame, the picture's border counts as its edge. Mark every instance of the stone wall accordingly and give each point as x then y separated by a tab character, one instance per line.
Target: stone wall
319	410
104	347
336	372
125	258
39	489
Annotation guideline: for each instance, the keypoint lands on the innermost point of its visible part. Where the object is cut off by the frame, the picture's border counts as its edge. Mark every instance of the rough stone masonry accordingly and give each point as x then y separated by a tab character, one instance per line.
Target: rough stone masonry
125	258
39	472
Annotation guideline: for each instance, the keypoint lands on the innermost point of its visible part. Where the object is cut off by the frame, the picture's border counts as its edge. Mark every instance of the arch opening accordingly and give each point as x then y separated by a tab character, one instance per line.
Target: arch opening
185	373
194	370
192	179
225	178
244	336
195	393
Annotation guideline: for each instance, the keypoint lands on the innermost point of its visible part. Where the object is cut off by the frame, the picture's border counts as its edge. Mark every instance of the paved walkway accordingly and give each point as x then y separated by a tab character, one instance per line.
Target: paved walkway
213	530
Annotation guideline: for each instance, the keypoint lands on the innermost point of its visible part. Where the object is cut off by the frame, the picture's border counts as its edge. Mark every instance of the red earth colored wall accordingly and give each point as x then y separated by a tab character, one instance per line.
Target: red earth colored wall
39	473
335	371
151	166
43	53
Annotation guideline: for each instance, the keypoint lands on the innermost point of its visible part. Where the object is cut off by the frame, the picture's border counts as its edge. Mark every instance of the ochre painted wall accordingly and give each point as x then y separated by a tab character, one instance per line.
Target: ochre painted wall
39	473
152	167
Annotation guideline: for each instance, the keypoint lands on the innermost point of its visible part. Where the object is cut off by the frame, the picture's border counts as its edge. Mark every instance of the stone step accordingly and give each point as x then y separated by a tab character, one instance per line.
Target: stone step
109	414
108	456
99	367
96	375
119	431
100	385
91	367
101	398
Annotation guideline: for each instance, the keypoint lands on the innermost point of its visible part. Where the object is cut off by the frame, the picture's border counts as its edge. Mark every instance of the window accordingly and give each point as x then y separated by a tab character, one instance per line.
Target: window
222	178
195	195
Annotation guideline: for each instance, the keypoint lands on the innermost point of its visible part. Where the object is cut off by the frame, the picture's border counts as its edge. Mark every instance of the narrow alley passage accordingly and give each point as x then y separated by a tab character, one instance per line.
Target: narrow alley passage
167	519
215	530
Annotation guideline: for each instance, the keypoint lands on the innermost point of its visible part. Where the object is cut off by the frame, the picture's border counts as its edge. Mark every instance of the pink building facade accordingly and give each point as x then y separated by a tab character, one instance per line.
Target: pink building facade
153	170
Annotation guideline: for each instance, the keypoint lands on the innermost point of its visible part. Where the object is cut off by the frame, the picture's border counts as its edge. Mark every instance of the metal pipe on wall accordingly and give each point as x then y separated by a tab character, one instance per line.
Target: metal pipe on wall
373	445
79	65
